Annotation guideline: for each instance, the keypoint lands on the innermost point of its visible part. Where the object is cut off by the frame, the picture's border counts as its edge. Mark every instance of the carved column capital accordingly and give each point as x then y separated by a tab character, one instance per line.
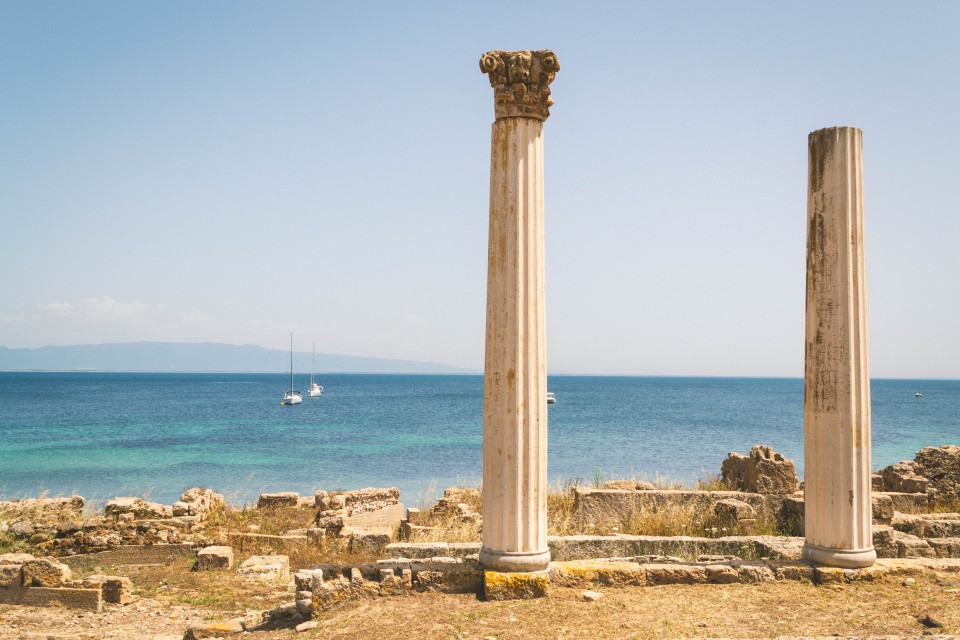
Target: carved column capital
521	82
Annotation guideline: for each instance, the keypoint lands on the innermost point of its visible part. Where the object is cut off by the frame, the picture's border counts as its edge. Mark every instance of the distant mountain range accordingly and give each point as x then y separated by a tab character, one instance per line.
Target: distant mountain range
200	357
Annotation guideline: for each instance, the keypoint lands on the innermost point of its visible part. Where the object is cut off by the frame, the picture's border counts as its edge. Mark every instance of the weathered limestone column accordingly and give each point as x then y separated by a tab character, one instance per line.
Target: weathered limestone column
515	376
836	402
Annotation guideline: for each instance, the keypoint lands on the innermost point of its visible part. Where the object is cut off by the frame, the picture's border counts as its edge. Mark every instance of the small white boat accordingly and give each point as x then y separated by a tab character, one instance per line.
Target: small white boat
292	396
315	389
918	395
551	399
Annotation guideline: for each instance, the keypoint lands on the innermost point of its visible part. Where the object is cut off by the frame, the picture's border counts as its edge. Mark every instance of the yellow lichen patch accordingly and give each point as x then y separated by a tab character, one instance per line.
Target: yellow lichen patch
592	572
515	585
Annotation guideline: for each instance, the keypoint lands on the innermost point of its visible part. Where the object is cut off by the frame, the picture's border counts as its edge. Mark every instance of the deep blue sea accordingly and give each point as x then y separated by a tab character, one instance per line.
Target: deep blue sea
106	434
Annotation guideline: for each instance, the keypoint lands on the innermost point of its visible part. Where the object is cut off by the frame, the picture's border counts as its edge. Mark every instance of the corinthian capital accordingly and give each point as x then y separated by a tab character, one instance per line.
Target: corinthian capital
521	82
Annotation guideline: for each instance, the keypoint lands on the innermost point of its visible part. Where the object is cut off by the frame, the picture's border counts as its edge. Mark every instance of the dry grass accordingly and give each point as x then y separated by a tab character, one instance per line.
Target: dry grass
726	611
668	519
945	506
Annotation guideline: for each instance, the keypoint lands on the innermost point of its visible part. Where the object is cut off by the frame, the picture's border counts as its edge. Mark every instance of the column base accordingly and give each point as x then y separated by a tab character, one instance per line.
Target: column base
508	561
843	558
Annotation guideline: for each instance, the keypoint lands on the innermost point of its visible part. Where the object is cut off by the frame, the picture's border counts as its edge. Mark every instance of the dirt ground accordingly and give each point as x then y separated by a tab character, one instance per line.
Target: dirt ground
777	609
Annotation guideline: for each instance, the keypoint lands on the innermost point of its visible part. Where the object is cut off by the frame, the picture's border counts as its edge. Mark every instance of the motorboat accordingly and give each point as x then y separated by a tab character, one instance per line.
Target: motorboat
551	399
315	389
292	396
918	395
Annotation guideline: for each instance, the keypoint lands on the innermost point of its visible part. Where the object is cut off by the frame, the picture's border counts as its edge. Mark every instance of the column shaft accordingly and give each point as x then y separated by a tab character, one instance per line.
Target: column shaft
515	392
838	514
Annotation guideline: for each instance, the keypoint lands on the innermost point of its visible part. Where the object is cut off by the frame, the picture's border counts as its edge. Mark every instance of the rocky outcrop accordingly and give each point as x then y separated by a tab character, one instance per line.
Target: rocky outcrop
197	501
903	478
941	467
762	471
132	508
934	471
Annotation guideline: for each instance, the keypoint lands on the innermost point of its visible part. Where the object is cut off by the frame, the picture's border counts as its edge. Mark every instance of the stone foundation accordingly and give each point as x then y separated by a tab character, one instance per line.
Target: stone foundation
44	582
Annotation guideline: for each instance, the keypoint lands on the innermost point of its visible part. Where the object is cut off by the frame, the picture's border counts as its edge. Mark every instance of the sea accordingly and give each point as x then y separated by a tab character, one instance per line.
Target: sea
153	435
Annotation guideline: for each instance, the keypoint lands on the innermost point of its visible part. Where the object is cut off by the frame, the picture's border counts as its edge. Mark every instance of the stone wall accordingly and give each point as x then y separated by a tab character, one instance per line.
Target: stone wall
43	582
611	508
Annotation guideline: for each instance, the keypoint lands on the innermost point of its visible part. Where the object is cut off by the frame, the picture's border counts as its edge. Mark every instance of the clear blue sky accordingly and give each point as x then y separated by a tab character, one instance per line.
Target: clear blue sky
232	171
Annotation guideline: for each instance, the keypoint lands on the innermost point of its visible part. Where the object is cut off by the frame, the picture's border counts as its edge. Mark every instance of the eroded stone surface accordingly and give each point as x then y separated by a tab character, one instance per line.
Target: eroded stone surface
763	470
521	82
215	558
516	585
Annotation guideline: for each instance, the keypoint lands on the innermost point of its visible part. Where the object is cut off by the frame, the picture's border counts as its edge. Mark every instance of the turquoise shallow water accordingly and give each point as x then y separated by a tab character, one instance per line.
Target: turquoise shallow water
107	434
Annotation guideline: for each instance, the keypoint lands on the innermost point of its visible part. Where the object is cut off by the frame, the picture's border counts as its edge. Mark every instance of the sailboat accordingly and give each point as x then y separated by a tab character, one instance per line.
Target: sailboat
315	389
291	396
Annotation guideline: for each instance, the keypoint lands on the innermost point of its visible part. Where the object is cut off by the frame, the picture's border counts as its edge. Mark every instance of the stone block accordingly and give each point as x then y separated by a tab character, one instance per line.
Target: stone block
588	572
909	502
266	568
721	574
798	572
910	524
304	579
202	630
515	585
749	573
792	514
214	558
876	482
913	547
936	528
448	578
734	510
828	575
884	542
882	506
417	550
70	598
139	554
45	572
392	584
275	500
334	522
945	547
903	478
660	574
116	589
10	575
370	541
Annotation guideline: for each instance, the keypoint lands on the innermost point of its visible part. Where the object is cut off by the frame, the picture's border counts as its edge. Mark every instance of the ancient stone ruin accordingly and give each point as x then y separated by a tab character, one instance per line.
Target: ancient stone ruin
935	471
762	471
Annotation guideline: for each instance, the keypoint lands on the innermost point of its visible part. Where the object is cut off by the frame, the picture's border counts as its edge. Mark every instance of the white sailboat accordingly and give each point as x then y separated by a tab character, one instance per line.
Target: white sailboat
315	389
291	396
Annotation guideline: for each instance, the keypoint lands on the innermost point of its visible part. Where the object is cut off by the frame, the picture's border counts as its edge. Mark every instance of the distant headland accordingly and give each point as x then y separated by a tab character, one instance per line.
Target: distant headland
205	357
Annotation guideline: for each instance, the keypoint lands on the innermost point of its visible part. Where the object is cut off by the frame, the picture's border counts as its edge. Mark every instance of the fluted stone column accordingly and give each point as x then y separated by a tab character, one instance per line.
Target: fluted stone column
515	376
836	403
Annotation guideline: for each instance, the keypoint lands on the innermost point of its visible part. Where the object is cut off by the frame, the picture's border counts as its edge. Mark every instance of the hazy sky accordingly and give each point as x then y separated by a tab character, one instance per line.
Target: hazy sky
232	171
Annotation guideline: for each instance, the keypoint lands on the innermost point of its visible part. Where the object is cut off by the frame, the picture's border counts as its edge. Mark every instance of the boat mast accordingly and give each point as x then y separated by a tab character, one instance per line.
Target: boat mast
313	364
291	363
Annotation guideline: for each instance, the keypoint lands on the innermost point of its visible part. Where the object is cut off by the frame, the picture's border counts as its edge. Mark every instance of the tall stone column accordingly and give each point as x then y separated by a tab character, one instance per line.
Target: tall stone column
515	376
836	399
